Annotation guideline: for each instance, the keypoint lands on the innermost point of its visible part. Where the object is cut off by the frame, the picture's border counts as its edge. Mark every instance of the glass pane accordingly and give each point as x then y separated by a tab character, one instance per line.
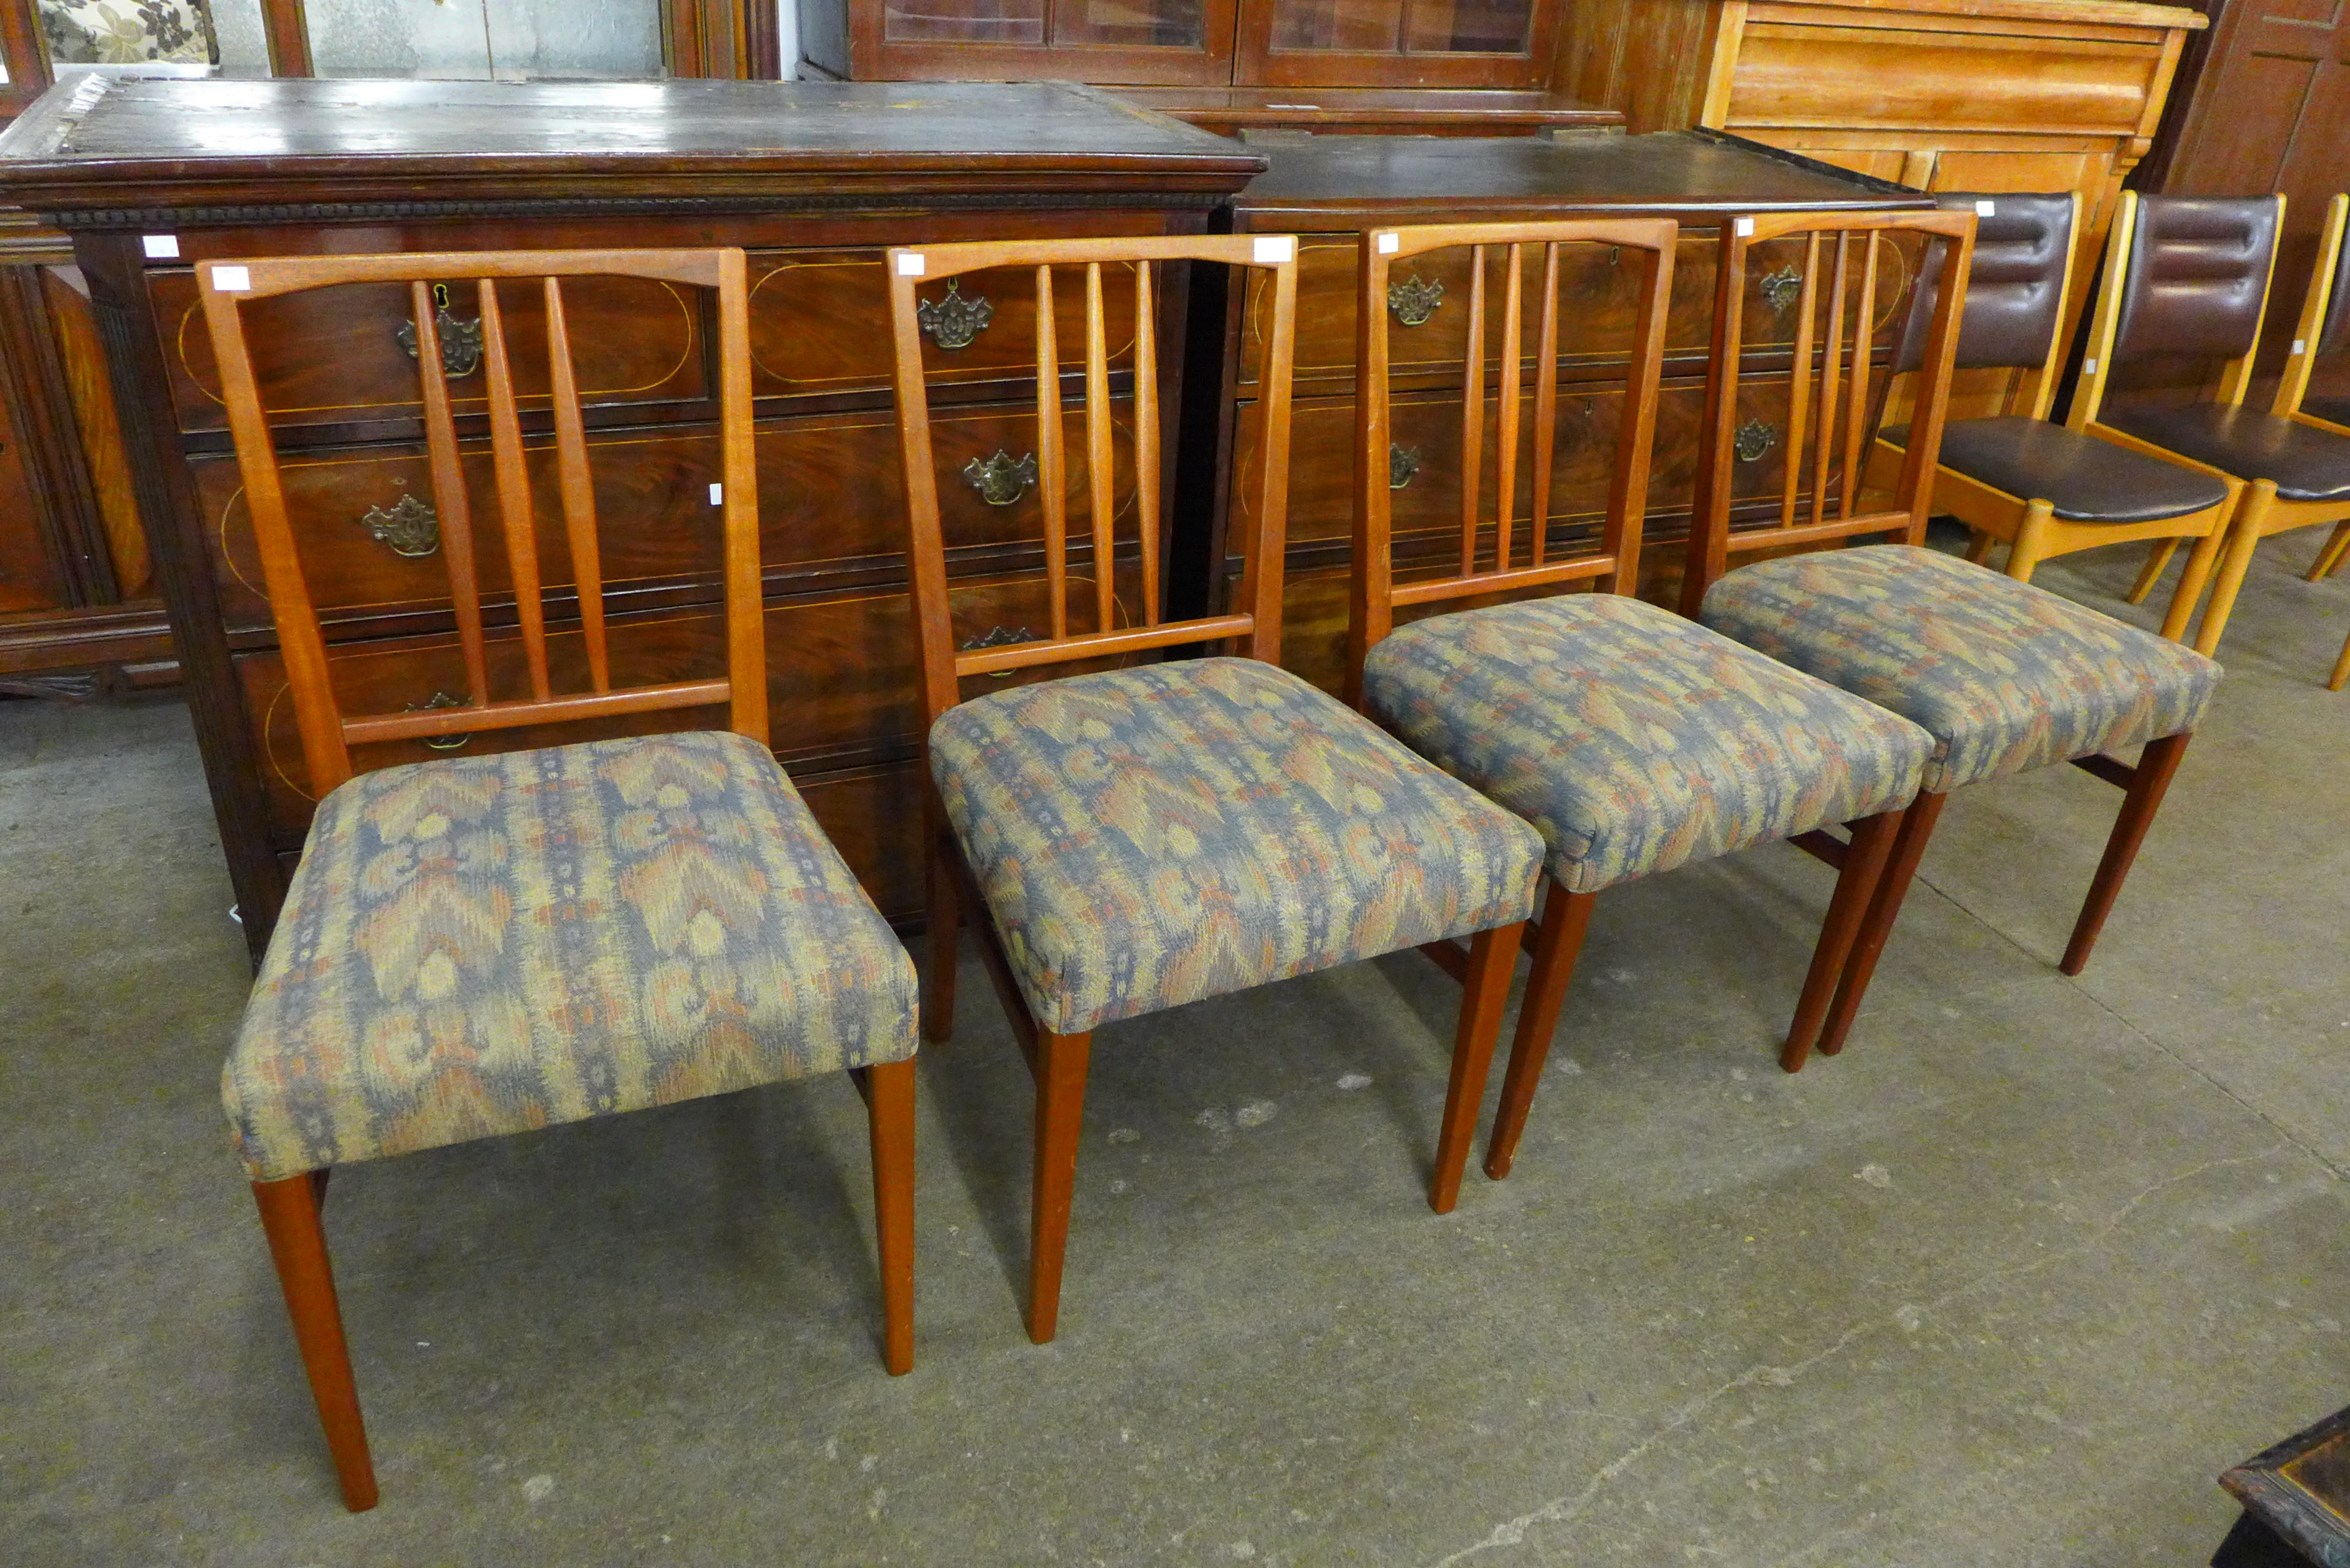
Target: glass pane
1469	26
965	21
1358	25
244	47
1134	23
399	39
618	39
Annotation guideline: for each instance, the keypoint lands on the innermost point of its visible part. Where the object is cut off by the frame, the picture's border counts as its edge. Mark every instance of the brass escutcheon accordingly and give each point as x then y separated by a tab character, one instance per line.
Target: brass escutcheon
1755	437
1782	287
1414	301
441	699
461	340
952	320
410	527
1403	463
999	479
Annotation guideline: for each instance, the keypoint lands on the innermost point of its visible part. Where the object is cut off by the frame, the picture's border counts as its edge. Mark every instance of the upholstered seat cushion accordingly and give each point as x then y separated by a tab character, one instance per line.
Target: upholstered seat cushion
2082	478
2004	675
2307	463
484	945
1634	739
1147	837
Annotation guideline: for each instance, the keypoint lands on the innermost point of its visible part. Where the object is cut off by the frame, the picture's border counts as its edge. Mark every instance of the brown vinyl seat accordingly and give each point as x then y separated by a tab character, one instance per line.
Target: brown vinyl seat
2324	330
2305	464
2044	489
2334	411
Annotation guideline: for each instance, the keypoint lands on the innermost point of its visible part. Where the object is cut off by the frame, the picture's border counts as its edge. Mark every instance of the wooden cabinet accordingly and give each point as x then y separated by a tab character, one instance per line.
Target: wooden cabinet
1328	191
1942	95
812	178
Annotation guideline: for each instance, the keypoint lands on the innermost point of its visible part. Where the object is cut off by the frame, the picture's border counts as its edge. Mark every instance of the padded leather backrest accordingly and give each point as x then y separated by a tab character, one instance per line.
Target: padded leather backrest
2334	332
2015	290
2198	270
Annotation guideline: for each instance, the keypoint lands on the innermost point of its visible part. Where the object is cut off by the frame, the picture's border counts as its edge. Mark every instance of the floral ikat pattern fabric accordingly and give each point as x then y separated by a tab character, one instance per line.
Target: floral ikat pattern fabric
486	945
1634	739
2005	676
128	32
1147	837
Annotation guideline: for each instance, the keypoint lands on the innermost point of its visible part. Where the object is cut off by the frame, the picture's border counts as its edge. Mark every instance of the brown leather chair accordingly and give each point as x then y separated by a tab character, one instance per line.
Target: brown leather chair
2324	330
2190	278
2014	477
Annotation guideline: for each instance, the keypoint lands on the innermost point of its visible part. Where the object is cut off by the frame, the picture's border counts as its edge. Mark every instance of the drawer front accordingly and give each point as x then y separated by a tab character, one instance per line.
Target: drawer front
831	489
820	323
1428	305
329	356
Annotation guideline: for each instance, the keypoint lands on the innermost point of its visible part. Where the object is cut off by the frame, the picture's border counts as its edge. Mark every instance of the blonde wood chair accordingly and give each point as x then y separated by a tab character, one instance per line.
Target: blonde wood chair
2003	676
488	944
1133	840
1634	740
2324	330
2189	277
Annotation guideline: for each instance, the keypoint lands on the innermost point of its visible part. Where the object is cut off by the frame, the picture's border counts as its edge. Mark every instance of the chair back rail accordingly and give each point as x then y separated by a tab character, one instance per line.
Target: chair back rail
225	287
1375	595
1831	413
1255	623
2325	325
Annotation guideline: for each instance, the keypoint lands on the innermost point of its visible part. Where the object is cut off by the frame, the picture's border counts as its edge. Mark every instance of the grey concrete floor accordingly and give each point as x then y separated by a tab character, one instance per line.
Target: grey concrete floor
2007	1283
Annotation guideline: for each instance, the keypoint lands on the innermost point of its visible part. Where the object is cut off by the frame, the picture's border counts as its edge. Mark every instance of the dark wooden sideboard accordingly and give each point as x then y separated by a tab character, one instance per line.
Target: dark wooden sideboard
149	177
1328	190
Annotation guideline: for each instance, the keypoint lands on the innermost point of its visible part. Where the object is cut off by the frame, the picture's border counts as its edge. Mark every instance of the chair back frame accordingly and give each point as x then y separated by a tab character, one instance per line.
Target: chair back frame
2318	311
1711	543
1373	594
2235	374
2036	393
224	286
1256	625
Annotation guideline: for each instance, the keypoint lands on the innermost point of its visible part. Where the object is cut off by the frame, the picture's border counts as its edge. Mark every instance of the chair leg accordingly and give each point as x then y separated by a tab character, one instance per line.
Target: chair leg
2199	561
2243	538
1493	959
2031	547
1855	890
1892	886
2147	784
297	1244
1978	547
2329	559
946	922
1565	919
2158	560
889	1113
1060	1105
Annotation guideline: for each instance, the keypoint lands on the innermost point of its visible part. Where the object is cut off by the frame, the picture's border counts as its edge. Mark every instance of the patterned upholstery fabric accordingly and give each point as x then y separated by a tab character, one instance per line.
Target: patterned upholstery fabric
128	32
489	944
2005	676
1634	739
1148	837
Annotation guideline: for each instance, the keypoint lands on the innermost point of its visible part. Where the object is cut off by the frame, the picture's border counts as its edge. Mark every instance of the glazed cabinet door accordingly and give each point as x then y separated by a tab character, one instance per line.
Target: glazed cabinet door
1171	43
1396	43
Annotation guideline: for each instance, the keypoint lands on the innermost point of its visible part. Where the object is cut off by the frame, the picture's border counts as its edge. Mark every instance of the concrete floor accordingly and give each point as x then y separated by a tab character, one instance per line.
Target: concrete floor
2007	1283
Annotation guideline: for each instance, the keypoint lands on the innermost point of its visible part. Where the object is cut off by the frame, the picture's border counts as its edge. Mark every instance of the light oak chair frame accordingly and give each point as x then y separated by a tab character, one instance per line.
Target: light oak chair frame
291	1209
2029	525
2306	346
1058	1062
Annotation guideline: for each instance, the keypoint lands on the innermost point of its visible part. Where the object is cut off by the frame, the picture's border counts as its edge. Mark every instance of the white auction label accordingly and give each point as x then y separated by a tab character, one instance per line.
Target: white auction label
1390	244
909	263
1271	248
162	247
231	279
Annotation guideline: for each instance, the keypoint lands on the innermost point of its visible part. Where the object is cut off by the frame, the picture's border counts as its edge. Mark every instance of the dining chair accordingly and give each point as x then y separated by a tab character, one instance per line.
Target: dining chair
2005	675
490	944
2045	489
1633	740
2191	281
2324	330
1136	839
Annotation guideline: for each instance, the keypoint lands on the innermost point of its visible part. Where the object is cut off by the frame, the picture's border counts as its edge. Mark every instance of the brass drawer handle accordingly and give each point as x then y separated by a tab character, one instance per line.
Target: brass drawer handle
1414	301
461	340
1403	465
410	527
999	479
1782	287
1755	437
952	320
441	699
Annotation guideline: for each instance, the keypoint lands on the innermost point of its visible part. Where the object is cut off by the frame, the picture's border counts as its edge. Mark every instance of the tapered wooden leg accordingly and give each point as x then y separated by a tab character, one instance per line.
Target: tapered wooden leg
2030	544
2341	668
1493	958
297	1244
2329	559
946	921
1060	1105
890	1111
1978	547
2157	560
1864	868
2155	766
1900	866
2243	538
1565	917
2190	582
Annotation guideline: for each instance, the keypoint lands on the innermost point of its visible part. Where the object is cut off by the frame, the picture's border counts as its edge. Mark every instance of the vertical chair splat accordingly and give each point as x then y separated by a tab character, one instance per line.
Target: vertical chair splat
515	513
449	497
1049	472
1145	436
1101	486
578	489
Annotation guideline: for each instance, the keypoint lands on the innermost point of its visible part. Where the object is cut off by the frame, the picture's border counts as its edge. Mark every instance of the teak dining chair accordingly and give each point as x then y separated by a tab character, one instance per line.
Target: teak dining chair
482	945
2003	675
1633	741
2043	488
2324	330
1138	838
2188	278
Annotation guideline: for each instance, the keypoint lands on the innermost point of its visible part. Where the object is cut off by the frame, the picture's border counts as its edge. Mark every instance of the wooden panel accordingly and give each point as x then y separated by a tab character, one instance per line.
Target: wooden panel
1877	162
332	355
31	578
1798	75
92	389
822	482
